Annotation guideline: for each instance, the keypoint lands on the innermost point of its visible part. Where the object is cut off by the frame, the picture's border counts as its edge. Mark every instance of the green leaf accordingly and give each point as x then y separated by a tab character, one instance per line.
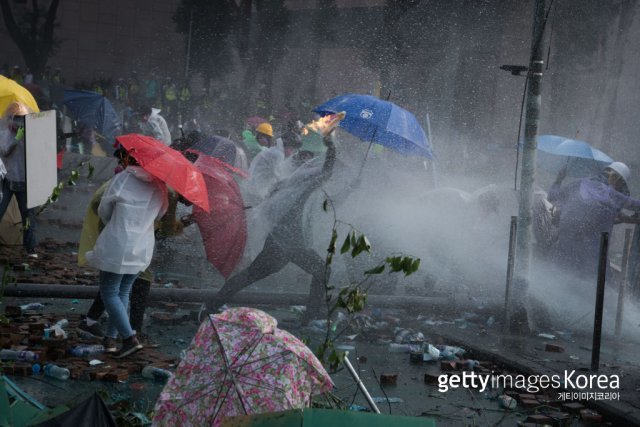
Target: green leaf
325	205
354	241
415	265
346	245
376	270
91	170
395	263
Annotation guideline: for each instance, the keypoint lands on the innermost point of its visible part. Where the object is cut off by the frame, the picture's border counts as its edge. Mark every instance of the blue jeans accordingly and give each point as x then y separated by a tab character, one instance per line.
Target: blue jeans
19	189
114	290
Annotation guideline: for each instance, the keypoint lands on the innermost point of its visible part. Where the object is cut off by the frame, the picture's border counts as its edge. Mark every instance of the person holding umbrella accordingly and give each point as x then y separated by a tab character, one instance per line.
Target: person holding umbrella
129	208
588	207
12	157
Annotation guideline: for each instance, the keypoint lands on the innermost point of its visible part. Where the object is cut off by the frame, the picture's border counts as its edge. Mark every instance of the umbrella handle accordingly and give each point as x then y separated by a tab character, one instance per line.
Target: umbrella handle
358	381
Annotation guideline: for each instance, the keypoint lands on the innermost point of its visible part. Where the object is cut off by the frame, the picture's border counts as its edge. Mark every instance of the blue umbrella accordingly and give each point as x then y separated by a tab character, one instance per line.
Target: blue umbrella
580	158
374	120
93	109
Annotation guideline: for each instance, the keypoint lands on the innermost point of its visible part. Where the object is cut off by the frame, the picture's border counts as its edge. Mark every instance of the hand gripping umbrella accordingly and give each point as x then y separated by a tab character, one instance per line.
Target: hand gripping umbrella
382	122
224	229
169	166
240	363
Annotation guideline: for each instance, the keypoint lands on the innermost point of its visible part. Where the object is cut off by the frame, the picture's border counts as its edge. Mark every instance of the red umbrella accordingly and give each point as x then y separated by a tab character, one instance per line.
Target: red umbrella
224	229
169	166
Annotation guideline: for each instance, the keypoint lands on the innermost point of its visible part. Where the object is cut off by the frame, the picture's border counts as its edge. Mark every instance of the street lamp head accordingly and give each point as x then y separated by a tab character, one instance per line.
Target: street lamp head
515	70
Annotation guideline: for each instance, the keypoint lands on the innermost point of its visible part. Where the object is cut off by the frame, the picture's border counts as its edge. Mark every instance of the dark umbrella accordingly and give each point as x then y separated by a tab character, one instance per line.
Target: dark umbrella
93	110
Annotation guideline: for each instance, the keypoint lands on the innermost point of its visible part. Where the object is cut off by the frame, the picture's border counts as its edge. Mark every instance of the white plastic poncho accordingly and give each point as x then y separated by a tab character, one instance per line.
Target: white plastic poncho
129	208
264	172
12	158
156	127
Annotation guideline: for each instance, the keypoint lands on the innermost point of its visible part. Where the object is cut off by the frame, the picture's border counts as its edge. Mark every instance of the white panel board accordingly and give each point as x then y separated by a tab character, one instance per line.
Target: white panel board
40	155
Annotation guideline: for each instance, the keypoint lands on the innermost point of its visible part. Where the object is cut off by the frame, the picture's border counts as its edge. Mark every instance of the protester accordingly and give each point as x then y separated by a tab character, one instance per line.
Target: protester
12	155
251	146
264	134
129	207
91	228
285	242
587	207
154	125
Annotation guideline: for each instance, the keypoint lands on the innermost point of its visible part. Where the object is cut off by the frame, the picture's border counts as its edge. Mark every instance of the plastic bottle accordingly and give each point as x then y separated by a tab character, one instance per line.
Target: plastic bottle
87	350
32	306
157	374
399	348
54	371
7	354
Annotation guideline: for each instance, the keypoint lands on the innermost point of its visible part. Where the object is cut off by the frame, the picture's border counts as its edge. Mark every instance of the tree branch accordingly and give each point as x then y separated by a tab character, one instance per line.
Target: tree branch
10	22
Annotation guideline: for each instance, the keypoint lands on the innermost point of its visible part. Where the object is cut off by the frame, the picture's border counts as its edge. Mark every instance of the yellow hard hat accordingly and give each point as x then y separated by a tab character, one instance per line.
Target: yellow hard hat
265	128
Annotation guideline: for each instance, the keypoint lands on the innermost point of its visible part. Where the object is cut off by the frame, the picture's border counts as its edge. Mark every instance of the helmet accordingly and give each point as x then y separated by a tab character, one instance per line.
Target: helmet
265	128
621	169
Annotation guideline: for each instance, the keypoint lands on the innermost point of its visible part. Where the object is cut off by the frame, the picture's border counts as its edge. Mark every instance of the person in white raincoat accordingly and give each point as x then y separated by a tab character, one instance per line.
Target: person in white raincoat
154	125
129	208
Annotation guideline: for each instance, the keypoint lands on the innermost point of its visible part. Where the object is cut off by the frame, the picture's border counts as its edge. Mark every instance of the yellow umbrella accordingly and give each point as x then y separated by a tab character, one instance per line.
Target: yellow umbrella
10	91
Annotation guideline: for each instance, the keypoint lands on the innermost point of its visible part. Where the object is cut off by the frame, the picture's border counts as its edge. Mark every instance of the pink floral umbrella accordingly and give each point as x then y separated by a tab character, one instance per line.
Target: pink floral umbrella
240	363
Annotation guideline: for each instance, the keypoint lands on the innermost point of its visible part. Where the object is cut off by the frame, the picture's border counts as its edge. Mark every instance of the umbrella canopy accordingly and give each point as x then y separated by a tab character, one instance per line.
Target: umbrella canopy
580	158
94	110
374	120
168	165
11	91
218	147
224	229
240	363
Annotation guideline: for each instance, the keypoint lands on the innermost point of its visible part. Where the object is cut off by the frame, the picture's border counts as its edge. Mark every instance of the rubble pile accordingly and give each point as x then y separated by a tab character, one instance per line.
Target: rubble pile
28	334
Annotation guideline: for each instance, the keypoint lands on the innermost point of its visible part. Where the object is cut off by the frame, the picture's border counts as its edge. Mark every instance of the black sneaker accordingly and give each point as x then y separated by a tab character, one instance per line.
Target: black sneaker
129	346
94	330
109	345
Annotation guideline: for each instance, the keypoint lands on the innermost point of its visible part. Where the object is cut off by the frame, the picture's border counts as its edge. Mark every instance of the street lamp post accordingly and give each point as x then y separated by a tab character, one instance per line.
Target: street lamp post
527	172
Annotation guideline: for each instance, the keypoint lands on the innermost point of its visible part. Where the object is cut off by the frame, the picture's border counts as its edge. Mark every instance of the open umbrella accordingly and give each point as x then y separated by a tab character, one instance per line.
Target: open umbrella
580	158
11	91
219	147
382	122
224	229
168	165
240	363
94	110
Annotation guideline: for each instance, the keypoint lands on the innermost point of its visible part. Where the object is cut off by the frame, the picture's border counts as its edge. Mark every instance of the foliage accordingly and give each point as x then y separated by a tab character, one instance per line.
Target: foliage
351	299
32	30
71	181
